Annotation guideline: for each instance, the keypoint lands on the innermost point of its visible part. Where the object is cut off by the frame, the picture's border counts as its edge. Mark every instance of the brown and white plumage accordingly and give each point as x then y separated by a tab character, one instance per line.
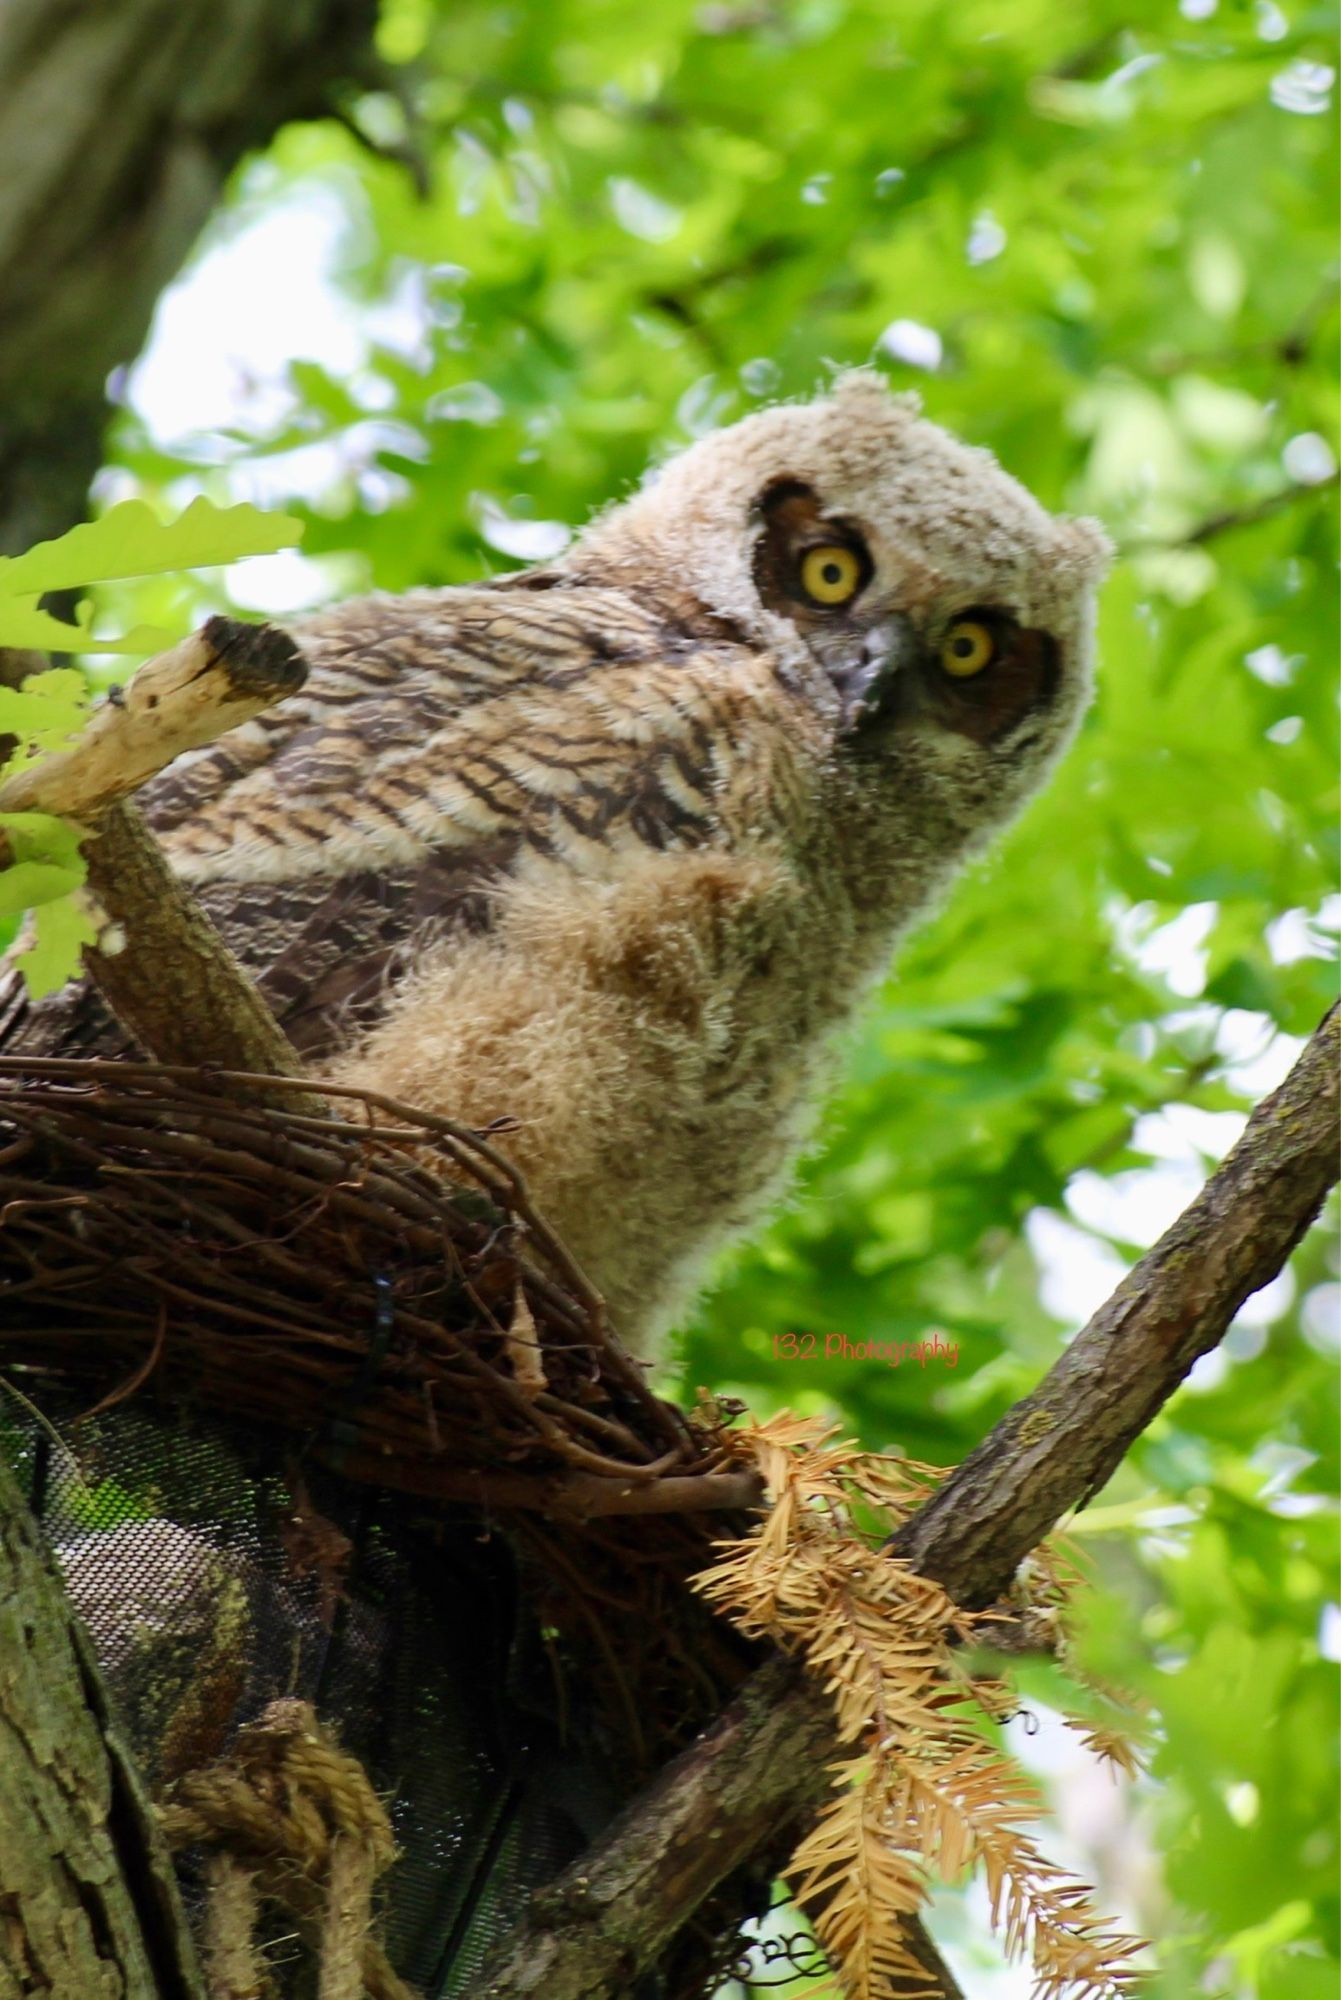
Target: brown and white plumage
614	847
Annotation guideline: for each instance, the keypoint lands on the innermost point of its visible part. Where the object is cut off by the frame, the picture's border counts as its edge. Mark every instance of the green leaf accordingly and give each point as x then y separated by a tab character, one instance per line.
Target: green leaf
47	867
130	540
25	884
41	836
23	624
48	708
61	929
1240	983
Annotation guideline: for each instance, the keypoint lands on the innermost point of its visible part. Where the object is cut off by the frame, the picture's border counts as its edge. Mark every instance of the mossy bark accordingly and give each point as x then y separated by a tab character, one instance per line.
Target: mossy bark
118	127
88	1900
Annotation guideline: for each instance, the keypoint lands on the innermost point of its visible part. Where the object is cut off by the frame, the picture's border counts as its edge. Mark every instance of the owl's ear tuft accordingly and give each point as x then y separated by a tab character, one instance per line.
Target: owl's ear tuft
1086	544
857	386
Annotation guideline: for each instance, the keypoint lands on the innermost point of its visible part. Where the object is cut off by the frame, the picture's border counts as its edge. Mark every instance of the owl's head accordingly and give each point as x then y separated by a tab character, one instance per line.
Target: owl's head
928	603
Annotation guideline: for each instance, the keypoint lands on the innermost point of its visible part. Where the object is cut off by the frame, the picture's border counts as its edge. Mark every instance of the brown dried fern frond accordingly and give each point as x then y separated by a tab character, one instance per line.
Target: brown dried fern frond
928	1793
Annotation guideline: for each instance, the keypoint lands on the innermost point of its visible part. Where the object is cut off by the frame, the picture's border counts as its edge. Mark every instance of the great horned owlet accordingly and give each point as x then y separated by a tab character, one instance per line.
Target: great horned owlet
615	846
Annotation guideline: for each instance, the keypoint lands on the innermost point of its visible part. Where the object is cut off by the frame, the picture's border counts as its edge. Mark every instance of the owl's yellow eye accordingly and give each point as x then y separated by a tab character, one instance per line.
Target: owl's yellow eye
831	573
967	648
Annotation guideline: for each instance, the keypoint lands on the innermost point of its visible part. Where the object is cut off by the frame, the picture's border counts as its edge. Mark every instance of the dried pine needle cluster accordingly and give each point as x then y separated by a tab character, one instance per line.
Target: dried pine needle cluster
925	1792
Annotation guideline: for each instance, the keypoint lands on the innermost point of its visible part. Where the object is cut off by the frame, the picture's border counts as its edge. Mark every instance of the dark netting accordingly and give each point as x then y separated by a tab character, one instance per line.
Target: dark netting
209	1593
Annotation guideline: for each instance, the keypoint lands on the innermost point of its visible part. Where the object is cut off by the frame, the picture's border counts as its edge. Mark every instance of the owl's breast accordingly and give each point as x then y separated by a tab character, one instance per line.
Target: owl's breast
656	1032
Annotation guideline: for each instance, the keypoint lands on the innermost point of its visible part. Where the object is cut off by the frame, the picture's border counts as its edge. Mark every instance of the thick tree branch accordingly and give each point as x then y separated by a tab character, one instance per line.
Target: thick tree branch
88	1898
118	127
605	1920
1055	1449
590	1934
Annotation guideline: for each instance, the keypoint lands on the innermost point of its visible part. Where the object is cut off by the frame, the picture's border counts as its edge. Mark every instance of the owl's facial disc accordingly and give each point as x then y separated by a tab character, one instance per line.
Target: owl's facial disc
978	674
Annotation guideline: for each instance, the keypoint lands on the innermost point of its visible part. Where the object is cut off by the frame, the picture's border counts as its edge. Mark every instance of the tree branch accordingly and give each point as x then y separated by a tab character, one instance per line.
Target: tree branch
762	1765
171	981
1231	518
221	676
593	1931
1054	1450
144	112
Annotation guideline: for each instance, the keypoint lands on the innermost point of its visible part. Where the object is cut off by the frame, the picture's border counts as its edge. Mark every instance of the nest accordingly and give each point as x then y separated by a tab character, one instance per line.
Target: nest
369	1294
376	1281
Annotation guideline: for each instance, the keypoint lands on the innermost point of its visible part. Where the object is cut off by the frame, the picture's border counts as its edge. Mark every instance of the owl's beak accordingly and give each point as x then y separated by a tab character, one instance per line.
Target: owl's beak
868	689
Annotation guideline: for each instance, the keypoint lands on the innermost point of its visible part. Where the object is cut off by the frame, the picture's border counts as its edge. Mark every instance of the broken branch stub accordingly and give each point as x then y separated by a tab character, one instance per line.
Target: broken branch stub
171	981
220	676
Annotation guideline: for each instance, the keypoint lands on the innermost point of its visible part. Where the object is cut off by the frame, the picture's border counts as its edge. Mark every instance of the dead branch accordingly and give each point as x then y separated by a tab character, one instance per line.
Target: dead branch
605	1920
171	980
220	676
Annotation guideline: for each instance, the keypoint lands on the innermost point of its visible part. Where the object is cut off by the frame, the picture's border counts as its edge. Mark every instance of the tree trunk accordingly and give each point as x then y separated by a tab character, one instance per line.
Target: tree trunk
118	126
88	1900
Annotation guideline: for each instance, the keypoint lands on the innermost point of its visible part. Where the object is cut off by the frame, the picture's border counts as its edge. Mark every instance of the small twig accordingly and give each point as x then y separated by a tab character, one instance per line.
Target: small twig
1230	518
578	1496
1287	349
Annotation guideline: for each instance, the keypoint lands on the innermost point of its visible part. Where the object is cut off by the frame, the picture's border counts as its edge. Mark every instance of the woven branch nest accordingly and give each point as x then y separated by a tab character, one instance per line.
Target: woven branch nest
166	1234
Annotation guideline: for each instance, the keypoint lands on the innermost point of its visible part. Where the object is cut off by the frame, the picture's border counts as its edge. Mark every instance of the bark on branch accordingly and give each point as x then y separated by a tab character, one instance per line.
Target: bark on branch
220	676
1057	1447
118	127
762	1764
172	982
88	1898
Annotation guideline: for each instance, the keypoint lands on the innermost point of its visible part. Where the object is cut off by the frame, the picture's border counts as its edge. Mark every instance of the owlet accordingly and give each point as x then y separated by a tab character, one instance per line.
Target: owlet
615	847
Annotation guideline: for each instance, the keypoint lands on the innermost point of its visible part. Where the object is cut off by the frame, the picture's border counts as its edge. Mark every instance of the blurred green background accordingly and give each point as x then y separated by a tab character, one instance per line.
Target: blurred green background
1101	240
